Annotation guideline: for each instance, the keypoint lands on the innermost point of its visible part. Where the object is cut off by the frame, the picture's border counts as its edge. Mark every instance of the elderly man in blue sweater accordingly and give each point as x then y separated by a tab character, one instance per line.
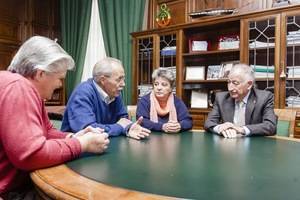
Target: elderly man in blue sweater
97	102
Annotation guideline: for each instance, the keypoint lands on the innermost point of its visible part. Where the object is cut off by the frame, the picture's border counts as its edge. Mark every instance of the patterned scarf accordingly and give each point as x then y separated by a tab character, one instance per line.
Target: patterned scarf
156	110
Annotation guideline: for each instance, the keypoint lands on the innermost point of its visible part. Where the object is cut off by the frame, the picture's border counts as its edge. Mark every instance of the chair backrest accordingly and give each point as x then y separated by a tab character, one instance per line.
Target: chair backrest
131	109
285	122
56	123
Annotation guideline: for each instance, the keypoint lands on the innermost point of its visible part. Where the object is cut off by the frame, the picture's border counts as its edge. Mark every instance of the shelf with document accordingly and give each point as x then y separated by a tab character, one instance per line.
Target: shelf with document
211	52
205	81
215	51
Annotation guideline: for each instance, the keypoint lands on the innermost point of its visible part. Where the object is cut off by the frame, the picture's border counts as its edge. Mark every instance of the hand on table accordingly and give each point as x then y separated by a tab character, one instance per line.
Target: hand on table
171	127
136	131
93	140
88	129
230	130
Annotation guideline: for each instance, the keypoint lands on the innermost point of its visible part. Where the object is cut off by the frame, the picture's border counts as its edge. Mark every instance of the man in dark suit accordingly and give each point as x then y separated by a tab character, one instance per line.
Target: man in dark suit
244	109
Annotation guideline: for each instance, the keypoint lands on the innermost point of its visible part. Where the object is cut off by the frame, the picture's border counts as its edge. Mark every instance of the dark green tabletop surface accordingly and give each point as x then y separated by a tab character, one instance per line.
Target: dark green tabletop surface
199	166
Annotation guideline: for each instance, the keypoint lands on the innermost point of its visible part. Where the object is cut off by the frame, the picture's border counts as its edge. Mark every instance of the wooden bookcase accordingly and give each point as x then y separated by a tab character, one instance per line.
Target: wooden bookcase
267	39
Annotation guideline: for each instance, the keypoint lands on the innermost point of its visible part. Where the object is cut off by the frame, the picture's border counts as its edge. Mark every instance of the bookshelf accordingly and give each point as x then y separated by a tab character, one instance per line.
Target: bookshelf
267	40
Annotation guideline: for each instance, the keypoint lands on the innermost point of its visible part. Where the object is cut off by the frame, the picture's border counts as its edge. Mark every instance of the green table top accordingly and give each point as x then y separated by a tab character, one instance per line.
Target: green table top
198	166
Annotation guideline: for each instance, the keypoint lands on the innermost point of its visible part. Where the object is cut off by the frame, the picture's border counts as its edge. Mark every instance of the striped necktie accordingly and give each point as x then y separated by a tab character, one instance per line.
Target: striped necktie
240	114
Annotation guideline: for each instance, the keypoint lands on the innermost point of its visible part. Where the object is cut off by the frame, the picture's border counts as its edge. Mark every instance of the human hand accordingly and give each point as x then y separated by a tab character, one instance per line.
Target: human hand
93	142
171	127
239	129
124	122
88	129
229	133
136	131
224	126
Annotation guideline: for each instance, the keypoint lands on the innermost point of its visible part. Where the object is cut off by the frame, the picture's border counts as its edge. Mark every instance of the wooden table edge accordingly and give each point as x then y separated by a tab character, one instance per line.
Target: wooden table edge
80	187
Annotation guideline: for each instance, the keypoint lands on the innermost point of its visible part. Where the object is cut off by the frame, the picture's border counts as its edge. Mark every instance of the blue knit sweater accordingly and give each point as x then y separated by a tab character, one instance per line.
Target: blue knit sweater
86	107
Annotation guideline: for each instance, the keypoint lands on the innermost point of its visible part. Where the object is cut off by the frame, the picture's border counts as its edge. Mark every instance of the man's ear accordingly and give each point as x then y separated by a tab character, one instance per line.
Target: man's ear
39	75
101	79
250	85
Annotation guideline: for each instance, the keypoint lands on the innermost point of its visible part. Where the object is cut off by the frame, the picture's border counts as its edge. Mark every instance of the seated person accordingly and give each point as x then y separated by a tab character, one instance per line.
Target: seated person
243	109
161	109
28	140
97	102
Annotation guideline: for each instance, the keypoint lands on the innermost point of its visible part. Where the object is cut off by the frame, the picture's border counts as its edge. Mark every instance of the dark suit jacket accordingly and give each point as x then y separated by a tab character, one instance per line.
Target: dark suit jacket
260	117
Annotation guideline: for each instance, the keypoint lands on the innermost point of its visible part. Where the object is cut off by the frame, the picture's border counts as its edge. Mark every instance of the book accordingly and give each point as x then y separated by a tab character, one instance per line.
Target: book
213	72
263	75
199	99
168	51
226	67
194	73
293	71
263	68
199	45
144	89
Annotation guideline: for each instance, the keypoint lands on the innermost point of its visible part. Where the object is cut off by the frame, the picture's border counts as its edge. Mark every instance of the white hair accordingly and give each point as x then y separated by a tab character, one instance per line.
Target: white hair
245	71
40	53
105	67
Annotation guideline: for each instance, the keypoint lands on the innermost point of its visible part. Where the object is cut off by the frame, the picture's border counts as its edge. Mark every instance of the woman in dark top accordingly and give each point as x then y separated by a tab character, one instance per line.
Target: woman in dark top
161	109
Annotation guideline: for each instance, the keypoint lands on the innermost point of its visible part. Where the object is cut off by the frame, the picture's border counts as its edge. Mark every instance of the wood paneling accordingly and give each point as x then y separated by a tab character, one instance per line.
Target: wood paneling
9	31
241	6
180	9
10	34
42	12
6	54
21	19
177	10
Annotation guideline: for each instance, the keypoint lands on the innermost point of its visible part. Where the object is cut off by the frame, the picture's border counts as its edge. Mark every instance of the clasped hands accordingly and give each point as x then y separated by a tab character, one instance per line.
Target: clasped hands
136	131
93	140
171	127
230	130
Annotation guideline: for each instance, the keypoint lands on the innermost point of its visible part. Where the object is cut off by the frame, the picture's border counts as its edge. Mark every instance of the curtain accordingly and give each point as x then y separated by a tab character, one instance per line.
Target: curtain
95	47
75	21
118	19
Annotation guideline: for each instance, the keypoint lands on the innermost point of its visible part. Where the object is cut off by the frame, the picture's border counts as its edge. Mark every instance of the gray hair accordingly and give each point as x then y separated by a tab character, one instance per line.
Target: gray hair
105	67
40	53
245	71
164	73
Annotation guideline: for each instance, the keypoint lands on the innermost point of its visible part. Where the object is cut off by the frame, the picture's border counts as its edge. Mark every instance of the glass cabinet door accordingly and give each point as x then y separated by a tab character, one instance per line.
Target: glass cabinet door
144	64
167	52
167	49
292	55
154	51
262	52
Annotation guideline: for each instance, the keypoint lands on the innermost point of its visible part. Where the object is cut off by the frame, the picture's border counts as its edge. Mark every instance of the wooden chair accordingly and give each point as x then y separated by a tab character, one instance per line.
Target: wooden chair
285	122
131	109
56	123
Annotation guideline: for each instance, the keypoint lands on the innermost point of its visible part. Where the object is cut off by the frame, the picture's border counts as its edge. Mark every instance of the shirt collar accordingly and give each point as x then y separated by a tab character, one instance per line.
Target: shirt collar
104	96
245	99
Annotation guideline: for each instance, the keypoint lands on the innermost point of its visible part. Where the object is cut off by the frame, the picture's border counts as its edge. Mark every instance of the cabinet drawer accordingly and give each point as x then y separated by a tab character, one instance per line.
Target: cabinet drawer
198	121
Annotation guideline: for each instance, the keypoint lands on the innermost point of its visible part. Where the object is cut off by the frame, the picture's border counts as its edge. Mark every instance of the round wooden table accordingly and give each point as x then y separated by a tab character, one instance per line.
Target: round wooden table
187	165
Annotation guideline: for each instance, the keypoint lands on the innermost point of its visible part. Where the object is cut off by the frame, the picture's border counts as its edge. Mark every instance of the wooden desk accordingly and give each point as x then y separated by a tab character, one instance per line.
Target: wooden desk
186	165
